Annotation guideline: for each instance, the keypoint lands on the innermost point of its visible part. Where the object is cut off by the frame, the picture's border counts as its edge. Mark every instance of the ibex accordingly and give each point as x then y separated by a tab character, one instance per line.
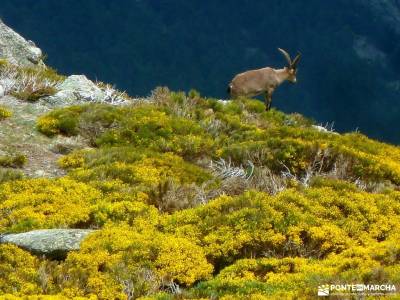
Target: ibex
266	80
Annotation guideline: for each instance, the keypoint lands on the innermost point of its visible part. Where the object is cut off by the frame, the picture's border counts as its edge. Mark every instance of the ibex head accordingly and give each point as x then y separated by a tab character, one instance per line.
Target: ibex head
291	68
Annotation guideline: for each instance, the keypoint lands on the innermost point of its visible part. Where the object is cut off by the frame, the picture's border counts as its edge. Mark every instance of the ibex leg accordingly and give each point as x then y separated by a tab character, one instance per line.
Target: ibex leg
268	100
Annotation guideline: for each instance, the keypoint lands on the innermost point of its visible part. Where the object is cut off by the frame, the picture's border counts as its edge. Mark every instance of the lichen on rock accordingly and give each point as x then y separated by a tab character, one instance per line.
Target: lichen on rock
53	243
16	49
77	89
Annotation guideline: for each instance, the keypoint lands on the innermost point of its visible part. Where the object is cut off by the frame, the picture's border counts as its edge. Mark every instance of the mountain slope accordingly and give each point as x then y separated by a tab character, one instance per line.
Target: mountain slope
188	197
204	198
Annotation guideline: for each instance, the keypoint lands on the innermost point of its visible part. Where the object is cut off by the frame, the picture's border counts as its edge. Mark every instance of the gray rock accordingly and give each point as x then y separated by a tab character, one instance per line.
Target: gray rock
323	129
320	128
77	89
40	173
16	49
53	243
72	90
2	91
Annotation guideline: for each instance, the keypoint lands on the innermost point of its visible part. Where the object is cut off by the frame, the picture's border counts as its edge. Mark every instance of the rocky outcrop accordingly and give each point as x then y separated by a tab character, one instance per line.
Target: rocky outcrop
77	89
73	89
53	243
16	49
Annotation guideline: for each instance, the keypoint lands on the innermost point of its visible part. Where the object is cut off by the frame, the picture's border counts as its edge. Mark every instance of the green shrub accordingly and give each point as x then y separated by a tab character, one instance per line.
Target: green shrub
61	121
16	161
3	63
143	126
253	106
193	94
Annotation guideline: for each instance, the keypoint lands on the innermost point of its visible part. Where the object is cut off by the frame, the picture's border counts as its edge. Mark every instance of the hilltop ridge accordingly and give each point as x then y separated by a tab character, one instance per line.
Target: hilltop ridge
350	50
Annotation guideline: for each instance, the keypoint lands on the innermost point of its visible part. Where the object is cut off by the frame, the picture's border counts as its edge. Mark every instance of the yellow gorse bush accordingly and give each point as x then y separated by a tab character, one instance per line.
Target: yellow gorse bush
44	203
181	260
315	222
59	203
116	256
326	236
19	271
4	113
48	125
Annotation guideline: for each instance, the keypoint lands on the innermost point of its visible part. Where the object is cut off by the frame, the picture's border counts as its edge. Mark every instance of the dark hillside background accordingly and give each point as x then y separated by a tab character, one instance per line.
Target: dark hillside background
349	72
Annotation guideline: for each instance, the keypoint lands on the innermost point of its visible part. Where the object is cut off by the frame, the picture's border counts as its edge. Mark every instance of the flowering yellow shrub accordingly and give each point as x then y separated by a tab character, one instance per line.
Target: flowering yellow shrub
118	257
120	207
45	203
327	232
314	222
48	125
45	297
142	171
4	113
297	276
48	203
181	260
229	227
18	271
73	160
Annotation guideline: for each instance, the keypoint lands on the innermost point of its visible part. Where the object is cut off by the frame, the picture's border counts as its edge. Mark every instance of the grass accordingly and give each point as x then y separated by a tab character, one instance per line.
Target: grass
30	83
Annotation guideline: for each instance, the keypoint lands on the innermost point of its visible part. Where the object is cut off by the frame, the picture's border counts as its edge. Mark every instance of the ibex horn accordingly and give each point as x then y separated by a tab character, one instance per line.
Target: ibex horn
287	56
295	61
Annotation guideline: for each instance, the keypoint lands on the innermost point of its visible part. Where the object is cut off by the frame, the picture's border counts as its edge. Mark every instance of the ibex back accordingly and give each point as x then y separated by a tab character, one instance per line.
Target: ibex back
263	81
